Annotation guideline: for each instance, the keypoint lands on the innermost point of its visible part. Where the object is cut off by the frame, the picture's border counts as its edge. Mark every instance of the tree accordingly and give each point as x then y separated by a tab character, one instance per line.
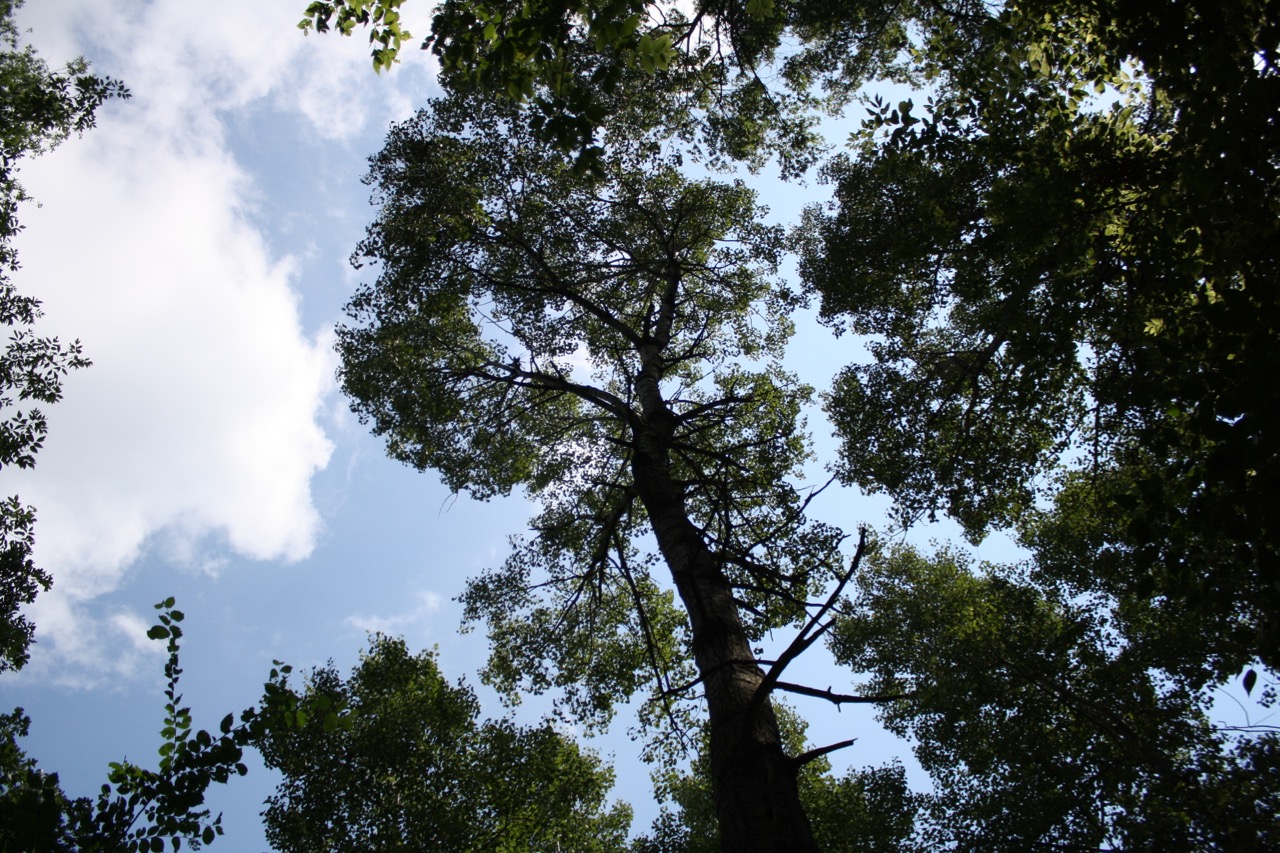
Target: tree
1040	726
1074	306
608	342
39	109
138	809
1062	275
395	759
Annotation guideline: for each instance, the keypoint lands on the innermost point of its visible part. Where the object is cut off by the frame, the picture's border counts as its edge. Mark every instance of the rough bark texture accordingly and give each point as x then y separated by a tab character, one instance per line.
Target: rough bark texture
754	781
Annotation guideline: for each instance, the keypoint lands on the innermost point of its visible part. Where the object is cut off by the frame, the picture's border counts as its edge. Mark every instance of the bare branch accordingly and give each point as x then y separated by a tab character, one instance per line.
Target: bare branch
805	638
838	699
805	757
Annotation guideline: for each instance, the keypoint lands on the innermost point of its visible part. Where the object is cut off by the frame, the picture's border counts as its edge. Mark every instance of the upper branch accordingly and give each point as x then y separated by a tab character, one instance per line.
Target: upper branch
805	639
562	289
513	374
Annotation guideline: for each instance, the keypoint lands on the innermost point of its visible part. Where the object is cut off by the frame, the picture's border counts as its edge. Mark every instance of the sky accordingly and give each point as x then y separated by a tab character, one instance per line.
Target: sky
196	243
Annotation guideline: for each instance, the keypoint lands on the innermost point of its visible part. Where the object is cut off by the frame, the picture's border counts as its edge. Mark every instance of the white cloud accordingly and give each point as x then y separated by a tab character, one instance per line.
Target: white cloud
200	419
201	403
189	64
428	604
102	652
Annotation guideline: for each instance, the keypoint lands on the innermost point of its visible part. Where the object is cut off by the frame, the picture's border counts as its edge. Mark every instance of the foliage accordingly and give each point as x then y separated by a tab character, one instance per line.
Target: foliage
1064	736
870	810
393	758
32	804
755	76
139	809
1063	263
1080	259
39	108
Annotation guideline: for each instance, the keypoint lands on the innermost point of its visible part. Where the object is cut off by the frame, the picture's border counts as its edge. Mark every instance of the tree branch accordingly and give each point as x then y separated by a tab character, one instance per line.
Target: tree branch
805	639
805	757
838	699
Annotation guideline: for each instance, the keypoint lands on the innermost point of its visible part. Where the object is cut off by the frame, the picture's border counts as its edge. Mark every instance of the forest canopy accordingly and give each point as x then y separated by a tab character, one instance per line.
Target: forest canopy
1048	271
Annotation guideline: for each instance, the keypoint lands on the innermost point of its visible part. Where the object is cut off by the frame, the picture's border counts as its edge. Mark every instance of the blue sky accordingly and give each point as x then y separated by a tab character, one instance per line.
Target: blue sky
197	243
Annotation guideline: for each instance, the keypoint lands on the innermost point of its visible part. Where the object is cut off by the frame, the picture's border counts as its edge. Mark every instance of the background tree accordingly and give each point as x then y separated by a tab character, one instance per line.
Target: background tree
397	760
138	809
39	108
1040	726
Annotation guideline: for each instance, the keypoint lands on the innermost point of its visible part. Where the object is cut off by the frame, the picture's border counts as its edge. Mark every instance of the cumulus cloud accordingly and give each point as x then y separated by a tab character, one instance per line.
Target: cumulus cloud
200	420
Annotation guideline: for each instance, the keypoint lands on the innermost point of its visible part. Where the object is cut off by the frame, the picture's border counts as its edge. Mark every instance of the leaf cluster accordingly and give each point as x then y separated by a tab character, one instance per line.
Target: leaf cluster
381	16
137	809
394	758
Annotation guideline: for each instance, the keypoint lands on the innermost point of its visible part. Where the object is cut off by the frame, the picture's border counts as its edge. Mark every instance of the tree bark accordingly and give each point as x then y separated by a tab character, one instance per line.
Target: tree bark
752	778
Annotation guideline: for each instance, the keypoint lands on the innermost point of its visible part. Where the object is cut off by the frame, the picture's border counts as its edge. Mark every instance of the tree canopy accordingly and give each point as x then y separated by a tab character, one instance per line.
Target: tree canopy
395	759
1079	266
754	77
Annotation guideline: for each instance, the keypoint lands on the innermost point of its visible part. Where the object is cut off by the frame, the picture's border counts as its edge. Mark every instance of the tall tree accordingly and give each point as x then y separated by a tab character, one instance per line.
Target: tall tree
607	341
39	109
396	760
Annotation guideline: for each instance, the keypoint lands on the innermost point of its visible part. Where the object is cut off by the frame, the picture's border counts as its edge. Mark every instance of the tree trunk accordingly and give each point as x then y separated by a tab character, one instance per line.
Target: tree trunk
753	780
